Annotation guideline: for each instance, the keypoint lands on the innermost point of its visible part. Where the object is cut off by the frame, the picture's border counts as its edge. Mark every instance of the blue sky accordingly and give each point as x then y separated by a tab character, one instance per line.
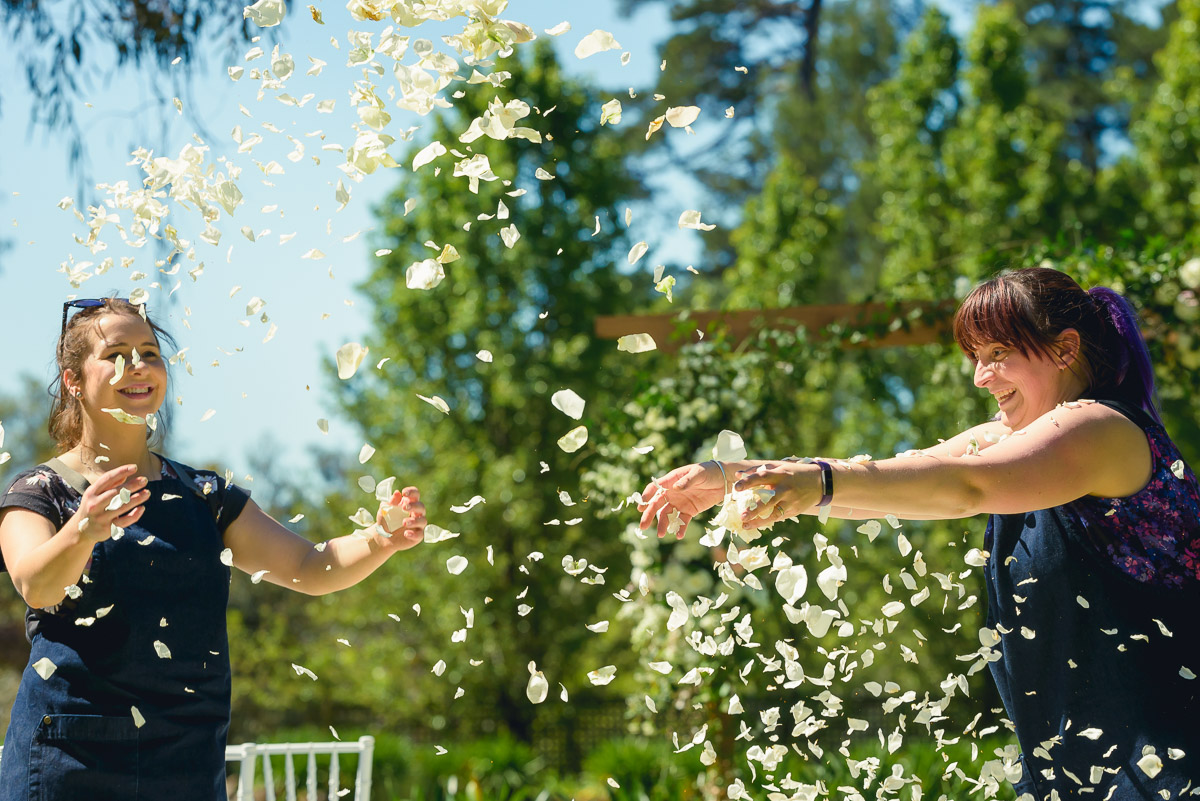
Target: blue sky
275	388
255	388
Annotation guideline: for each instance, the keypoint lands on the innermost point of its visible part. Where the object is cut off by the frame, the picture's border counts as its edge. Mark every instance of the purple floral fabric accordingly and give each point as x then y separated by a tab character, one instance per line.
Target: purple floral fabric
1152	536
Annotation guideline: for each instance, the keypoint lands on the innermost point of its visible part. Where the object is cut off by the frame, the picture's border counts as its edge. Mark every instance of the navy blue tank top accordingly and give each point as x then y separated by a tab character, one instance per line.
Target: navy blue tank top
1097	670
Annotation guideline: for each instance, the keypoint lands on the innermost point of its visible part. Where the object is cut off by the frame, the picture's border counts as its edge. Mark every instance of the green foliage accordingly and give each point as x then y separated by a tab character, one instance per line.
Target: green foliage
644	770
1167	135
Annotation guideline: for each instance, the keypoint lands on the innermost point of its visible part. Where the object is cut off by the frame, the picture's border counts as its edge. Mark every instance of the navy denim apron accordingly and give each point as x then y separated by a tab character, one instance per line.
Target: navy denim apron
73	736
1080	650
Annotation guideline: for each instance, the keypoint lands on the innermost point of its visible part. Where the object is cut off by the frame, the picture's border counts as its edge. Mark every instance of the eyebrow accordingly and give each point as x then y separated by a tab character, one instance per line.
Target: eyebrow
146	344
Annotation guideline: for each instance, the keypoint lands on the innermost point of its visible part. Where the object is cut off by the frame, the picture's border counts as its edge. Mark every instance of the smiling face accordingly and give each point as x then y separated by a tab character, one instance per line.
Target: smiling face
1027	386
135	383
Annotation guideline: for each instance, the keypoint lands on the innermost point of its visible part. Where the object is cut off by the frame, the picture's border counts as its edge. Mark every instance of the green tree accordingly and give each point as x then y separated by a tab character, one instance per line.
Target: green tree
532	307
64	47
804	233
1166	134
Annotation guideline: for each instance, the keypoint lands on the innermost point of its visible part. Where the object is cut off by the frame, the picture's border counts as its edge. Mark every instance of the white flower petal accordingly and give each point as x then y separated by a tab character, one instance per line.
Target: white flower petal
569	403
691	219
636	343
425	274
1151	765
682	116
436	402
603	675
349	357
44	667
574	439
596	42
266	13
537	688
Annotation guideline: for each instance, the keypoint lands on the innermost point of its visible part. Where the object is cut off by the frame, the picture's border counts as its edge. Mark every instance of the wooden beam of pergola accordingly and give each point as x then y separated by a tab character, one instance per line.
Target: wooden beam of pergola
894	324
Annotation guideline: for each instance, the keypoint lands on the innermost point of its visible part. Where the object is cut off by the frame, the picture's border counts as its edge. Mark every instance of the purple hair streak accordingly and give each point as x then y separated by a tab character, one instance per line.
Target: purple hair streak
1134	373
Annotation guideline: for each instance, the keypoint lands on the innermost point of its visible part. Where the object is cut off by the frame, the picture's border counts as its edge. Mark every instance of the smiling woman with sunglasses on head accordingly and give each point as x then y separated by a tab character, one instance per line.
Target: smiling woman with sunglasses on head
1092	543
123	557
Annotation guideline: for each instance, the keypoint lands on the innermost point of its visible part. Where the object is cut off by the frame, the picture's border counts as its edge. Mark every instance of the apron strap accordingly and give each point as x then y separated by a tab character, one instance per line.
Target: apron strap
70	477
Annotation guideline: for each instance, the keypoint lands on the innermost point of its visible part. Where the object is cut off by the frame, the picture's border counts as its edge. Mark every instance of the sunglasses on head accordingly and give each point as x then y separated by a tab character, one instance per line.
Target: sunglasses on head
83	303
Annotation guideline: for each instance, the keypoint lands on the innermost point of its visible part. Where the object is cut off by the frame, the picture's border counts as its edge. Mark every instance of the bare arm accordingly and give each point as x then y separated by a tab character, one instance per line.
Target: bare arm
969	442
259	542
697	487
1067	453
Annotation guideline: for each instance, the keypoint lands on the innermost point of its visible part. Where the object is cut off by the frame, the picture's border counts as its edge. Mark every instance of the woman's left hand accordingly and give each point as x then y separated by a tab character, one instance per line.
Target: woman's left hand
409	530
797	489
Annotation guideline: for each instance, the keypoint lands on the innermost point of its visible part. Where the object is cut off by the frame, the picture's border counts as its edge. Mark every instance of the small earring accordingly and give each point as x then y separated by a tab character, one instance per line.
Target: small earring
78	393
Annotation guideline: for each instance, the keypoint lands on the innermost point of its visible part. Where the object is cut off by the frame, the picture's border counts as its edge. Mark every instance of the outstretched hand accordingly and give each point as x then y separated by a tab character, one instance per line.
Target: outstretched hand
796	486
113	499
680	495
403	518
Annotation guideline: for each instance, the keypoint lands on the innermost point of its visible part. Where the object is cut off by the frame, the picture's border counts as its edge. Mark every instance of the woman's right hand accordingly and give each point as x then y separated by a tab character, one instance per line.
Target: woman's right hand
680	495
104	505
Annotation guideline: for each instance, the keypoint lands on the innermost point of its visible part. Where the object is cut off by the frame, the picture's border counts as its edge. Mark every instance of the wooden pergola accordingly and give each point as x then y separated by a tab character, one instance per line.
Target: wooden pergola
895	324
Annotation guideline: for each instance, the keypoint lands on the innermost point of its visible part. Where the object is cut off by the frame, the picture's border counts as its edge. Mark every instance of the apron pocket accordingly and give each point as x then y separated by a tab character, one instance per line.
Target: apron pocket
84	756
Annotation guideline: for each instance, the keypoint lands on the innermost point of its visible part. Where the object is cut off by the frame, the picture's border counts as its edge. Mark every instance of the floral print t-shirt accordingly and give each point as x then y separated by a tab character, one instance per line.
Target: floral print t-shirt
1152	536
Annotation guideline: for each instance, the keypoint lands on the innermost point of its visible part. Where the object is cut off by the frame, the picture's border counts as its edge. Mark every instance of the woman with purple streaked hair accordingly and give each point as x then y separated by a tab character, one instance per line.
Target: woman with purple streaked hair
1092	544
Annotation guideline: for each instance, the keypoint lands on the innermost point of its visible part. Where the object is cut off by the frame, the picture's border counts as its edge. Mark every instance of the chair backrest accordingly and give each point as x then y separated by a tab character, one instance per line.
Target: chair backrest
247	757
250	756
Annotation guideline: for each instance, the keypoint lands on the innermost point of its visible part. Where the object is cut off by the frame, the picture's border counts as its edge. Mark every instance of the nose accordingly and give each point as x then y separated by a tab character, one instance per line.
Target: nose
983	373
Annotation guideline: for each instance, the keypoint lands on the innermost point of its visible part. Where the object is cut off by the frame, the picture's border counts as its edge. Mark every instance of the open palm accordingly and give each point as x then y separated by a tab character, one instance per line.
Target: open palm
680	495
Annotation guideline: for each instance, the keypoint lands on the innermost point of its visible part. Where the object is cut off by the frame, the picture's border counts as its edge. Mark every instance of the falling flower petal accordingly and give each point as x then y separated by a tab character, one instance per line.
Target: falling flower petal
569	403
1151	765
603	675
574	439
123	416
436	402
266	13
637	251
456	564
596	42
691	219
425	274
682	116
349	357
44	667
427	154
636	343
610	112
537	688
791	583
